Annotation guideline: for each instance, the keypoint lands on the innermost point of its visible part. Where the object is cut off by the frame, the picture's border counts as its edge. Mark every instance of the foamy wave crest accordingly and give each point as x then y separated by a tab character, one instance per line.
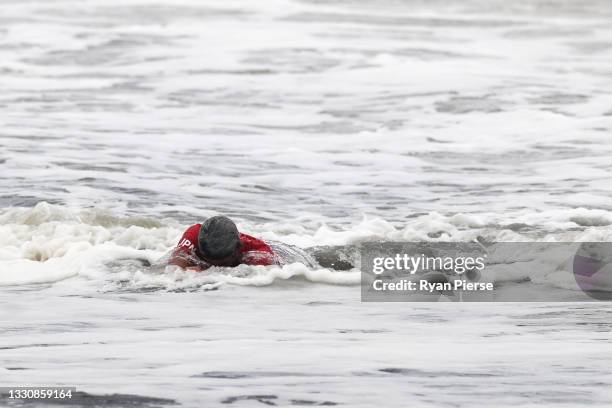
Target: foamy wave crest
49	243
432	226
177	280
556	225
44	213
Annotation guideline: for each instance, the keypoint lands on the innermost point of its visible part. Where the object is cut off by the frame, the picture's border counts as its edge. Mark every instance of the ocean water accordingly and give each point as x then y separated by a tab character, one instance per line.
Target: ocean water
312	123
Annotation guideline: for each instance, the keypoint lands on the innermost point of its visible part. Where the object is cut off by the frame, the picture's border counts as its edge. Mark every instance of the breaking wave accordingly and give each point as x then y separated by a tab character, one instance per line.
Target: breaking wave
51	243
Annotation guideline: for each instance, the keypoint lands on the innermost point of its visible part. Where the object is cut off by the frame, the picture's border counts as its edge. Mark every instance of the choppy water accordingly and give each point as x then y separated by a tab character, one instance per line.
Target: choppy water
311	123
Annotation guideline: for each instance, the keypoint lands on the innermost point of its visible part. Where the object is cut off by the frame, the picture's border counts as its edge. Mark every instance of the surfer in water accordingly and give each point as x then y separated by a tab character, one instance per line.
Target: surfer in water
217	242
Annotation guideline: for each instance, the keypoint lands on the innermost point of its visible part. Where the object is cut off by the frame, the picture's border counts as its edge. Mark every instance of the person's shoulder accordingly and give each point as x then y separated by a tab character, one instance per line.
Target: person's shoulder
192	232
249	242
256	251
195	227
246	238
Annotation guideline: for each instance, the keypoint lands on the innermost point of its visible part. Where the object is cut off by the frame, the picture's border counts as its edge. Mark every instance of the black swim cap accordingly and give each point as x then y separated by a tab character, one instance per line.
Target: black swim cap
218	238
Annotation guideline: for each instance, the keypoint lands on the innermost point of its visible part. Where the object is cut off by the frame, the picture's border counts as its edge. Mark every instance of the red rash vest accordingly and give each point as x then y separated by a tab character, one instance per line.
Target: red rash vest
252	252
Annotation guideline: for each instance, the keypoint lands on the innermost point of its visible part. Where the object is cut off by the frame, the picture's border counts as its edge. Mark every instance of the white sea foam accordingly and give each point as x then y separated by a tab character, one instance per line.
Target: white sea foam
49	243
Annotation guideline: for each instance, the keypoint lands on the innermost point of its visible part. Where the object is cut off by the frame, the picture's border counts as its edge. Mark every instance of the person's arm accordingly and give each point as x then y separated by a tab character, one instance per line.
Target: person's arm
179	258
259	258
182	255
186	261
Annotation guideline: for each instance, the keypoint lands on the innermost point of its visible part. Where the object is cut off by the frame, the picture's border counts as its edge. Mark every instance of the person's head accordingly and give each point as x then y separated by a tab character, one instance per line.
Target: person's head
219	241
